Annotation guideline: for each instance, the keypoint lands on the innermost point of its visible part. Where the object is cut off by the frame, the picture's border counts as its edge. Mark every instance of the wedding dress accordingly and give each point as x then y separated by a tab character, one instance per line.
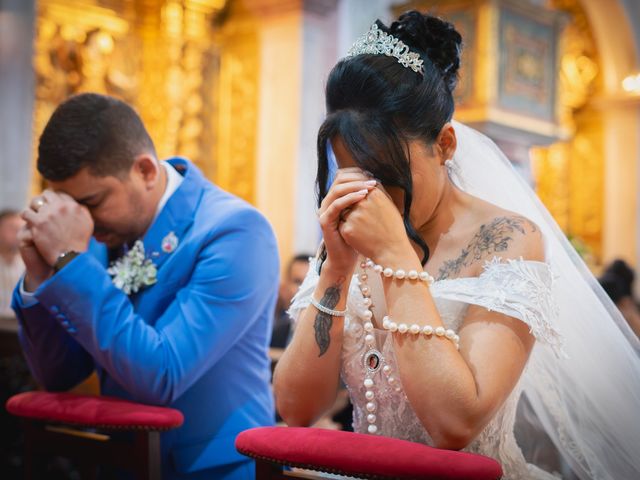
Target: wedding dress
582	380
518	288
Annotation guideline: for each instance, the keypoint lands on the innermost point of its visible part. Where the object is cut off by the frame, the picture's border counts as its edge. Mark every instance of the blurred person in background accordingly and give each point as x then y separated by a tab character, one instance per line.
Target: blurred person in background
296	271
11	266
617	280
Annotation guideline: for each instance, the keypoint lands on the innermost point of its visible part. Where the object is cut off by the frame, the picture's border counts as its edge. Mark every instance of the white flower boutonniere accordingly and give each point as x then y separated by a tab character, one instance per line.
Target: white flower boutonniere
133	270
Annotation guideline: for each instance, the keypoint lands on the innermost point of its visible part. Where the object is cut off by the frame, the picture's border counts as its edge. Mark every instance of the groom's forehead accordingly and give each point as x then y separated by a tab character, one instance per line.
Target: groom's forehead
83	185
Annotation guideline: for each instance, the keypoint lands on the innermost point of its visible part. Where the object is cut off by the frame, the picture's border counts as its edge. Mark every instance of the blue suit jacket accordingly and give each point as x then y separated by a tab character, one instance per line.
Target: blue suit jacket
197	340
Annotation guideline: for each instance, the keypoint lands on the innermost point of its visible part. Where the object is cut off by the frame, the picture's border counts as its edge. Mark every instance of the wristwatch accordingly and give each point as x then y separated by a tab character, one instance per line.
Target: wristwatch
63	259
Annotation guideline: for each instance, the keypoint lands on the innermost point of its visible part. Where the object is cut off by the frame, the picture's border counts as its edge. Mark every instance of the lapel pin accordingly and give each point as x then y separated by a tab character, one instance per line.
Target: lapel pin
169	243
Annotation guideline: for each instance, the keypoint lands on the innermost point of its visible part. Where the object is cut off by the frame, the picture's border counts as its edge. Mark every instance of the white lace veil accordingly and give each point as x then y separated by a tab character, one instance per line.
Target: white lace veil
589	402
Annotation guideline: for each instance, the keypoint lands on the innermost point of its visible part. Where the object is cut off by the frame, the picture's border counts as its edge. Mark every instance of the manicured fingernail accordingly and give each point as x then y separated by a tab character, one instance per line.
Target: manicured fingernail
370	183
363	192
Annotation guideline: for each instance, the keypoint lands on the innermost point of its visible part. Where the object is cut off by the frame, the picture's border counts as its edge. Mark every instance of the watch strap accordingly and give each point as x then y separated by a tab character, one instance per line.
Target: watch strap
63	259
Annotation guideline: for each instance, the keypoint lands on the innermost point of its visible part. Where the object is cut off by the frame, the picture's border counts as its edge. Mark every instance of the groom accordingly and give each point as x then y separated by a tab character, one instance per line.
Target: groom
147	273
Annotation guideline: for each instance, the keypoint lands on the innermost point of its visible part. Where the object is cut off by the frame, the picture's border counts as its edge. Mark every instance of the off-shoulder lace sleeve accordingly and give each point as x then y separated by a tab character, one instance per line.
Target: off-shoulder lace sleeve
519	288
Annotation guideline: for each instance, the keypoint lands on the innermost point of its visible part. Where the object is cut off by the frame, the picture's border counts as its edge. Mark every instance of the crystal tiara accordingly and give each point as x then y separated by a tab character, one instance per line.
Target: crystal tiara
377	42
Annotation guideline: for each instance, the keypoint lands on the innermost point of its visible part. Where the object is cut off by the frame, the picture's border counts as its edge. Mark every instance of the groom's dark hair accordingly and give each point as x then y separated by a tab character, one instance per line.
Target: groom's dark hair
95	131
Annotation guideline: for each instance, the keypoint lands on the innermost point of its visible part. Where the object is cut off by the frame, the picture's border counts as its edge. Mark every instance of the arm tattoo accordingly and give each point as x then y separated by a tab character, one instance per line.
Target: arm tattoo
490	239
323	321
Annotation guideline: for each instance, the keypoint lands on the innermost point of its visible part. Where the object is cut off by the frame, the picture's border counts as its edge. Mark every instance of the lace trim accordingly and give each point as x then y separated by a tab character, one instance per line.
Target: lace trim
519	288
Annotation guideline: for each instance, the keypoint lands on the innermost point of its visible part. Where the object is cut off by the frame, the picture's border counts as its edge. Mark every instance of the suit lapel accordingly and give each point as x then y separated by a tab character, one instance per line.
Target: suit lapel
165	234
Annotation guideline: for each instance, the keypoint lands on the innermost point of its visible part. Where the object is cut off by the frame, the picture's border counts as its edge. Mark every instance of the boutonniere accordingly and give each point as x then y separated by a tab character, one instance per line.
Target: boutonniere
133	270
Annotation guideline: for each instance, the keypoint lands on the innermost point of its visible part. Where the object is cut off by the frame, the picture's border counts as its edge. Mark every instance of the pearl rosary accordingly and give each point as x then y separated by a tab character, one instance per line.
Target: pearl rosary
373	359
400	274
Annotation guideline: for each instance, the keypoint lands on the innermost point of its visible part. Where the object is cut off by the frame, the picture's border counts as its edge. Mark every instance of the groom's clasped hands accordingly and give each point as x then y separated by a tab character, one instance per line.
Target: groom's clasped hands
55	224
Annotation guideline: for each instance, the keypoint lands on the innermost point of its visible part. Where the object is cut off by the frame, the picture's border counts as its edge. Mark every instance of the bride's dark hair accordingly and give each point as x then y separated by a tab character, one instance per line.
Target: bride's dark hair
377	106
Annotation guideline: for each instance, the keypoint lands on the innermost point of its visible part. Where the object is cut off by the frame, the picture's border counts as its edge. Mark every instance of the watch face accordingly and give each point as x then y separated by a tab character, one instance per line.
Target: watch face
63	259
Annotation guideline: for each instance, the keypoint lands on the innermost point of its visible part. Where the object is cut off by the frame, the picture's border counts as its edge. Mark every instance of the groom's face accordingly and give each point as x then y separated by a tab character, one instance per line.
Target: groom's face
116	204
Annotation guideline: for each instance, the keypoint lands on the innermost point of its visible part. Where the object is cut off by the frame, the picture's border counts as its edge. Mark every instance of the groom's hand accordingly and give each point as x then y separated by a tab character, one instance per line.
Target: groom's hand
37	270
58	224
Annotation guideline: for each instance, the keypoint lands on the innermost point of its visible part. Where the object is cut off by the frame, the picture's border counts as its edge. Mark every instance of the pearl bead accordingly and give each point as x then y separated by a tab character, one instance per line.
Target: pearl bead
398	389
377	268
367	302
387	272
365	290
415	329
371	418
402	328
440	331
372	429
413	275
369	395
424	276
363	264
400	274
427	330
456	338
391	380
364	277
393	327
371	407
368	327
369	339
368	314
450	334
385	323
386	370
369	263
368	382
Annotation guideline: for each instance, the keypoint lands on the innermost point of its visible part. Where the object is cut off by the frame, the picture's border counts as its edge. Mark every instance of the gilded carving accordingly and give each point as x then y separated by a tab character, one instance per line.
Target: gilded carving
570	174
173	61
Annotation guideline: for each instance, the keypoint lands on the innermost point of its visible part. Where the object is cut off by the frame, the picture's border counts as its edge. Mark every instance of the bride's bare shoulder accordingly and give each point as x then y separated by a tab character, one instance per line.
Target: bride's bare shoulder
511	234
486	232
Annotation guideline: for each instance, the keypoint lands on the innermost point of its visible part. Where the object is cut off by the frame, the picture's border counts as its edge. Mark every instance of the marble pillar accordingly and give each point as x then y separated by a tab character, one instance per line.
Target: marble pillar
16	101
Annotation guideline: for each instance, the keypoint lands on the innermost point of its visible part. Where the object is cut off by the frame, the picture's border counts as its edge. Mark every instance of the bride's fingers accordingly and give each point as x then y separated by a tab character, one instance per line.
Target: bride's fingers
338	191
331	214
352	174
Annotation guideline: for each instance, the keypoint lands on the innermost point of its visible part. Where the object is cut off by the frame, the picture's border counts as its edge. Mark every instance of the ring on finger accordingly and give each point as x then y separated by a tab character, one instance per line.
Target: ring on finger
38	203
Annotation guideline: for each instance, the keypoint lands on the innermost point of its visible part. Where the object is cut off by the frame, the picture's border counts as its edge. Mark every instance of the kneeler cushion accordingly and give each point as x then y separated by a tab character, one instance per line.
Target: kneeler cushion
92	411
367	456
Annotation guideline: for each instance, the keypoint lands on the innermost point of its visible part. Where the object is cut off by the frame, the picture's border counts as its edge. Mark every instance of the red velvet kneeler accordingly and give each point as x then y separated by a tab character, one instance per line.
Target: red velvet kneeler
81	427
358	455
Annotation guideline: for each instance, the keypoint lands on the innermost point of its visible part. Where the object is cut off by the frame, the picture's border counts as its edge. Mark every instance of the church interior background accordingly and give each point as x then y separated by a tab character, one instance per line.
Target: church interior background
237	86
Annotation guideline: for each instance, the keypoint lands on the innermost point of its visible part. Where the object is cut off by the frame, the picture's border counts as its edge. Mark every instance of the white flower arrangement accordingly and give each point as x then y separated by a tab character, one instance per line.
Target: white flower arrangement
133	270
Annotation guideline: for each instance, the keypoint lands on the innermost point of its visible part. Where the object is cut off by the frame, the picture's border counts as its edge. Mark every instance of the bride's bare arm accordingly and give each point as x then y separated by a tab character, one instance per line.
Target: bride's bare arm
455	393
306	377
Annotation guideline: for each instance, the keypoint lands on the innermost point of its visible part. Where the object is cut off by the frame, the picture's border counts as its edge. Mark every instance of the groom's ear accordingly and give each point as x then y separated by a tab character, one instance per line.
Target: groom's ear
147	168
447	141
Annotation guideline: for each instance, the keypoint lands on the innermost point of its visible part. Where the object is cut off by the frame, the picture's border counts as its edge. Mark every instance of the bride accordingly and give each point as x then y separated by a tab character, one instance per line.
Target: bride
443	290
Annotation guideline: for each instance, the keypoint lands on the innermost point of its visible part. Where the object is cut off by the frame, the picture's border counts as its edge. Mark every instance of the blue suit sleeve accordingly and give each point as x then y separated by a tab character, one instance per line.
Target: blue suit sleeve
234	282
55	359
